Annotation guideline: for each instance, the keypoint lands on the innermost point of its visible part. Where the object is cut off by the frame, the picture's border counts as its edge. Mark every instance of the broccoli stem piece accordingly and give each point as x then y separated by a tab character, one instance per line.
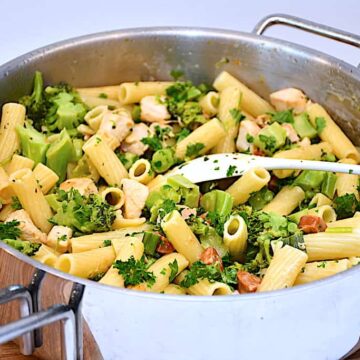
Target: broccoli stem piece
33	143
328	185
163	160
219	201
151	242
303	126
59	154
310	180
37	93
26	247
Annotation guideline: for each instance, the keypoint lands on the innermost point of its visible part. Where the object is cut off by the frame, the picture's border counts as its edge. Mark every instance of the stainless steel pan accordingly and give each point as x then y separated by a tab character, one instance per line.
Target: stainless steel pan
316	321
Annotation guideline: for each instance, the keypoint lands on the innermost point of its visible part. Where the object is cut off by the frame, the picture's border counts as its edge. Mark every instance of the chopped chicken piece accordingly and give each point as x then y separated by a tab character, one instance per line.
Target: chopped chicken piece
291	133
289	99
116	126
133	142
28	230
305	142
85	186
153	109
58	238
247	129
135	197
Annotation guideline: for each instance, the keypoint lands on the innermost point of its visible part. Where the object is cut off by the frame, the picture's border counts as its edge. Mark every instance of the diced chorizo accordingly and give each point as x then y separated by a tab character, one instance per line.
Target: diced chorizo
210	256
165	246
312	224
247	283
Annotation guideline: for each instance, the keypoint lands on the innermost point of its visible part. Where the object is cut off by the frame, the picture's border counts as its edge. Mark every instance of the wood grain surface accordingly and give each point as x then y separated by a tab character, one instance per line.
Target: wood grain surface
54	290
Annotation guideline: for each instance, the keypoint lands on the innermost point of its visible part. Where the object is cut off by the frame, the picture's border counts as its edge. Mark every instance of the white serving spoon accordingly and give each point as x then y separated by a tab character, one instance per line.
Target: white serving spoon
220	166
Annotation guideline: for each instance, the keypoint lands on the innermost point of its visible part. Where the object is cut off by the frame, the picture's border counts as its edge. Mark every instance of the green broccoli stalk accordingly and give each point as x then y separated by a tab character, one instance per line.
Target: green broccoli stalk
84	214
26	247
59	154
33	143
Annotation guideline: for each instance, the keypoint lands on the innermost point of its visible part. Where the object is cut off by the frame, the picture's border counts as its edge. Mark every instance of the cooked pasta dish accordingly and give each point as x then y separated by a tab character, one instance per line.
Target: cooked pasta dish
87	186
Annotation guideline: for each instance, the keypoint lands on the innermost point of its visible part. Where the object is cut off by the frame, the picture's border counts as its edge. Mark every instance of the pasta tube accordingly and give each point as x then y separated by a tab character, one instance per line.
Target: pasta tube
311	152
342	146
331	246
326	212
45	177
350	222
19	162
210	103
113	196
229	101
104	92
283	270
6	191
165	270
13	115
24	184
46	255
320	200
105	161
347	183
141	171
320	270
133	92
174	289
205	288
95	116
250	101
96	240
208	135
251	181
88	263
181	236
286	200
235	236
133	247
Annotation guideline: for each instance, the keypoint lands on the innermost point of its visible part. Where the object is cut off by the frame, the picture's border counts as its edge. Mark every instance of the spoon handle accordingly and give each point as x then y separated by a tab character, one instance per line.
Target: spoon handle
220	166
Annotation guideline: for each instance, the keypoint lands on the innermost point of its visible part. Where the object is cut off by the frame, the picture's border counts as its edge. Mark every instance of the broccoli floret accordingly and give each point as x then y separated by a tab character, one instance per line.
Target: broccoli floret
33	143
35	103
84	214
26	247
56	107
264	228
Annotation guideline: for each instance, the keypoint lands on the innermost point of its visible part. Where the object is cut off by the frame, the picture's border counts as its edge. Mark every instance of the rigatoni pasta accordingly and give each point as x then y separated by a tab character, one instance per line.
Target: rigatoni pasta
93	187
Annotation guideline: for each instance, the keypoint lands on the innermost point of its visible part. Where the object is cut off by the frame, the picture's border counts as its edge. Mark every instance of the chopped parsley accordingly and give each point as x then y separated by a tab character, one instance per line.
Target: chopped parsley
249	138
107	243
182	134
193	150
176	74
174	270
135	272
10	230
97	277
153	142
231	170
283	117
320	123
62	238
236	115
322	265
346	206
15	203
268	141
103	96
224	60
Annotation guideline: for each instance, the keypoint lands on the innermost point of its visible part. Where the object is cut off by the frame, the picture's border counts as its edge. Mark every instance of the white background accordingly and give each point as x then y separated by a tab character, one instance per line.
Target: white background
28	24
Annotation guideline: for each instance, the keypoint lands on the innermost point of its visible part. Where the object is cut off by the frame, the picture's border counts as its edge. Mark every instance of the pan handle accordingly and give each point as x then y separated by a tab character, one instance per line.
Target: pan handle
69	314
306	25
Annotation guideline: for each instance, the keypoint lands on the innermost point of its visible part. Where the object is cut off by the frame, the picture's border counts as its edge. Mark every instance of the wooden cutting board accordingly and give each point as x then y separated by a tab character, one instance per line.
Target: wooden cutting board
54	290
